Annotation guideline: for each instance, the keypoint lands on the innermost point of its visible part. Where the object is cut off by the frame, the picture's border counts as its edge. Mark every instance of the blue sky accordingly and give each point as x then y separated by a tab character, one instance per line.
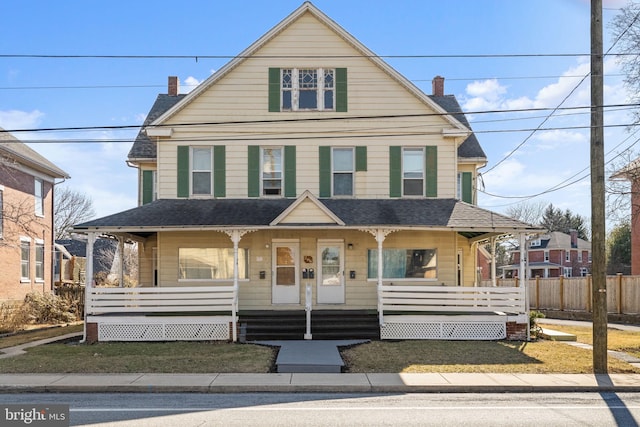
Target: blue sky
56	93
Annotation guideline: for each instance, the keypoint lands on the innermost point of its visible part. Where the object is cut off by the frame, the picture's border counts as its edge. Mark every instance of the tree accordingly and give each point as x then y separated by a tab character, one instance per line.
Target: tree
625	28
70	207
553	219
529	212
619	249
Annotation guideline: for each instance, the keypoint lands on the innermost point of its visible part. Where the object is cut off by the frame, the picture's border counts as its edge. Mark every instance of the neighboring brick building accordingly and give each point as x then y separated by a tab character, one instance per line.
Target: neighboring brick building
631	174
553	255
26	219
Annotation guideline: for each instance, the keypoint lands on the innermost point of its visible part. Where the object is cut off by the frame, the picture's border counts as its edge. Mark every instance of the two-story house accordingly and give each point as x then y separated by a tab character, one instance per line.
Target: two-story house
553	254
308	174
26	219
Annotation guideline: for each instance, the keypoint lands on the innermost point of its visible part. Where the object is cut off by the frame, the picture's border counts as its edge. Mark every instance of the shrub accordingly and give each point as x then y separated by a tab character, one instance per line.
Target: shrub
534	329
47	308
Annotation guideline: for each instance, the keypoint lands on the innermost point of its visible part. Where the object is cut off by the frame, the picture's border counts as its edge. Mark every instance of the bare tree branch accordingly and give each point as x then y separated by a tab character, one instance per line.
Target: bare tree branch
71	207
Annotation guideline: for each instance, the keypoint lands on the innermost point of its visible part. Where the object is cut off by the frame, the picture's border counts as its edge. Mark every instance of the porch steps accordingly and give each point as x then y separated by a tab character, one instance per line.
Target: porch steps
325	325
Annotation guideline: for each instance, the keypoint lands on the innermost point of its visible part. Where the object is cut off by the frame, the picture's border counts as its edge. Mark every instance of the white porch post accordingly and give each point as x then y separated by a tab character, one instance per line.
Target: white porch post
121	265
523	278
493	262
88	279
380	238
235	238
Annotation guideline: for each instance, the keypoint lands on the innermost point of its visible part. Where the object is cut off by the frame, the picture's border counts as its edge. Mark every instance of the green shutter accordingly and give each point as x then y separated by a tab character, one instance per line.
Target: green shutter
341	90
274	90
467	194
147	187
324	154
183	171
219	171
253	170
395	171
290	171
361	158
431	171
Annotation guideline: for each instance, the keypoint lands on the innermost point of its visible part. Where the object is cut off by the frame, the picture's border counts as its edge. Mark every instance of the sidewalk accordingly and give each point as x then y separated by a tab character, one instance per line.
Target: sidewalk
320	383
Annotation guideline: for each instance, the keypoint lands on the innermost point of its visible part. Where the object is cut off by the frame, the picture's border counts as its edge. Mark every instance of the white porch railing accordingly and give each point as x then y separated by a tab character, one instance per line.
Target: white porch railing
218	305
420	312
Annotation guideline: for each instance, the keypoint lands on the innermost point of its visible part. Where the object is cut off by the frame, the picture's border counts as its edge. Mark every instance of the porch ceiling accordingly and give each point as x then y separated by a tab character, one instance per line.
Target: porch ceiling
435	214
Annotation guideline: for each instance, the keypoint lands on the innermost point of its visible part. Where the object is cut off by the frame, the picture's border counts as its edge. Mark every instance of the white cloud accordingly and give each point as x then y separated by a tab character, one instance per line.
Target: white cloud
189	84
16	119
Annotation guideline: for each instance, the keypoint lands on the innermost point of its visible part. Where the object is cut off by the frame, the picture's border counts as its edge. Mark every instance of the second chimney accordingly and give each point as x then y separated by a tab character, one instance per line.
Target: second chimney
173	86
437	85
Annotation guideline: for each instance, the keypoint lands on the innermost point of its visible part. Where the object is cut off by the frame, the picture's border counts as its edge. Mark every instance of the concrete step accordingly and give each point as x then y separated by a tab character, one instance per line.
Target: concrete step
550	334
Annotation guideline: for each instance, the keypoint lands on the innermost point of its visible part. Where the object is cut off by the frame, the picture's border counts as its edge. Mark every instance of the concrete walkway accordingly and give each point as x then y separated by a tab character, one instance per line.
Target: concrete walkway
19	349
320	356
305	382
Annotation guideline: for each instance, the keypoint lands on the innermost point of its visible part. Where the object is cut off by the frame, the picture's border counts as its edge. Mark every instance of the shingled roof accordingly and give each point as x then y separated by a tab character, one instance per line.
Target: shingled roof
12	147
211	213
470	148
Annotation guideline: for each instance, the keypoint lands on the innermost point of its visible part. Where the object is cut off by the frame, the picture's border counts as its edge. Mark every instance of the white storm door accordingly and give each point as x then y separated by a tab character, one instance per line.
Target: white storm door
330	272
285	287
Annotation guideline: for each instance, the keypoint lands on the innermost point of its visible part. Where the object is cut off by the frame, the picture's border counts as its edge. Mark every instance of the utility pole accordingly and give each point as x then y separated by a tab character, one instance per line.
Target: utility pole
599	292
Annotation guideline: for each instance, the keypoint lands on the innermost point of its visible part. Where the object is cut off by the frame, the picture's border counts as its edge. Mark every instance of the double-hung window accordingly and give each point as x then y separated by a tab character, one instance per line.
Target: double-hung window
413	171
272	171
342	171
39	196
201	170
39	260
25	259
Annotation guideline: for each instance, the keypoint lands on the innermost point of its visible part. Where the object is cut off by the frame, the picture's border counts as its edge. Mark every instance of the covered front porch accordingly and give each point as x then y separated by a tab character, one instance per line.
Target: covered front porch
411	262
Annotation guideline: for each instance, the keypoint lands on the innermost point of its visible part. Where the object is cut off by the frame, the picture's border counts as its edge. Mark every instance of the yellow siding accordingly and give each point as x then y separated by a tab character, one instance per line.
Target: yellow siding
307	212
242	95
255	293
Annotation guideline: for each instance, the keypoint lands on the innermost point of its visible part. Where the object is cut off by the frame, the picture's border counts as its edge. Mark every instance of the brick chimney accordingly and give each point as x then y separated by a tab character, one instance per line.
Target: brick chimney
174	86
574	238
437	85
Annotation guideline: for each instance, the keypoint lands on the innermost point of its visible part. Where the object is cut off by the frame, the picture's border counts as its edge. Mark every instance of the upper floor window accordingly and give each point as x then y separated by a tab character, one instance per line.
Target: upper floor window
201	171
567	256
272	171
546	256
579	256
39	196
412	171
535	243
308	89
342	171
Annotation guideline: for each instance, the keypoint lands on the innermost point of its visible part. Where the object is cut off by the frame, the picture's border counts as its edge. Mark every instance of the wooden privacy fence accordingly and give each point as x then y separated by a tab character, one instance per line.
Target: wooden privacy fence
574	293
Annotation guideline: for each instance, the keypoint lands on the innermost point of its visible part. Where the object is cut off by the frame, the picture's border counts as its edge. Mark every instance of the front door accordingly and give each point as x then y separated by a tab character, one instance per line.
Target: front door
285	287
330	272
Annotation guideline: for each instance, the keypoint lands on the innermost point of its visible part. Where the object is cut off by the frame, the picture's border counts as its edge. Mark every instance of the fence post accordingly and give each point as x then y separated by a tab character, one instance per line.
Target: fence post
589	284
561	290
537	292
619	293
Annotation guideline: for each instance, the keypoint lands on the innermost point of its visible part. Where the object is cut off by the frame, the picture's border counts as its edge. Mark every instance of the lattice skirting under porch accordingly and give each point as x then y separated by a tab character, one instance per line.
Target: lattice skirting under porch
444	330
163	329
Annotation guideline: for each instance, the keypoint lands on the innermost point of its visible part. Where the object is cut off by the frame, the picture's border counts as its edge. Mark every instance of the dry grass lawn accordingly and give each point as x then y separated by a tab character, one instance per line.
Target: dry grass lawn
625	341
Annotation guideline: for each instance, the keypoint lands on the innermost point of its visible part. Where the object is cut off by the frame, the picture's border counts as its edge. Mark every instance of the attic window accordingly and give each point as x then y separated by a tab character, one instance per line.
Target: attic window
535	243
308	89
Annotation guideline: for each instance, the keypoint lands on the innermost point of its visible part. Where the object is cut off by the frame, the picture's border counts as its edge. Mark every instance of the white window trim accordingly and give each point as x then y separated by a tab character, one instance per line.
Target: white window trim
38	203
408	279
352	172
295	89
546	256
424	172
567	256
25	279
192	170
579	256
39	242
281	148
231	279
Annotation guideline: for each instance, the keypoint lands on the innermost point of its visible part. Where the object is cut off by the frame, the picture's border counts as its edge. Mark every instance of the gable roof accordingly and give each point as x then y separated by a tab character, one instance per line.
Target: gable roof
470	148
20	152
308	7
